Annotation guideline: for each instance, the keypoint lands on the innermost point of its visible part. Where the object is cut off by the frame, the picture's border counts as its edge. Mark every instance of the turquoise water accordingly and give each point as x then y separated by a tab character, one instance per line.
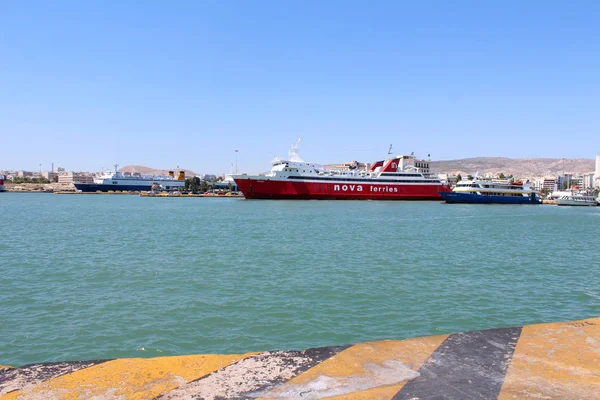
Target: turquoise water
88	277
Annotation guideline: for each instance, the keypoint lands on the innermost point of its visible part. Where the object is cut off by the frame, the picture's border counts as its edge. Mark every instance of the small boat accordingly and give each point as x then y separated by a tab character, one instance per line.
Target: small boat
486	191
577	199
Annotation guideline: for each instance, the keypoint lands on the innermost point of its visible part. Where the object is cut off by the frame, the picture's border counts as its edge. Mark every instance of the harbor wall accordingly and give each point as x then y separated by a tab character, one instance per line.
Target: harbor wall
550	361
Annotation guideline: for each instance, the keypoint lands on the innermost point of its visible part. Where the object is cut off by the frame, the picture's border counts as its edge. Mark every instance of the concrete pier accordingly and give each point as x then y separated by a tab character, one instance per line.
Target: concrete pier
545	361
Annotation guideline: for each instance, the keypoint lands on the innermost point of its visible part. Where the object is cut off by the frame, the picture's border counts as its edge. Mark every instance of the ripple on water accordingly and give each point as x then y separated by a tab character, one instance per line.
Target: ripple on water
87	277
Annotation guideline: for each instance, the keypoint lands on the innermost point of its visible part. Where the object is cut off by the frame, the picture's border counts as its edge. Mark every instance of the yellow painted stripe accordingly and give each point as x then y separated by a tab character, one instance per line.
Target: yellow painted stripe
371	370
131	378
556	361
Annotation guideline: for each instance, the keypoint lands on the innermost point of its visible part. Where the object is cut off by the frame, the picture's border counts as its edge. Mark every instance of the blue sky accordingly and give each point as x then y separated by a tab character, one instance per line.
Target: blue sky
86	84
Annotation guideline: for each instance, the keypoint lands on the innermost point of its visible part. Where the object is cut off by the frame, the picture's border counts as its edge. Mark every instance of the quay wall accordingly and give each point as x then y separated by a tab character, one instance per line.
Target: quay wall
545	361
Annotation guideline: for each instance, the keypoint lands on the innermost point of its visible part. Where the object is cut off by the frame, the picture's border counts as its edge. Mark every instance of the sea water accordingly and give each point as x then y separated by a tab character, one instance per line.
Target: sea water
104	276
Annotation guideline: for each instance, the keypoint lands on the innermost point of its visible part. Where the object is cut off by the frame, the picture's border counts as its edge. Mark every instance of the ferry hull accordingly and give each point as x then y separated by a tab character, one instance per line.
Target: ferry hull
95	187
578	203
468	198
254	188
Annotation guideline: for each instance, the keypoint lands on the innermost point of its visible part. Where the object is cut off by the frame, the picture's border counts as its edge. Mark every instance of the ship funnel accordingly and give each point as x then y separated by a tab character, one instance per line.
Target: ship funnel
390	165
181	176
375	165
172	174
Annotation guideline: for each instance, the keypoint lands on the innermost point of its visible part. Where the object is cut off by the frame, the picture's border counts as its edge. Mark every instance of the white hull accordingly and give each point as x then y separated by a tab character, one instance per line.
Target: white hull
575	203
571	202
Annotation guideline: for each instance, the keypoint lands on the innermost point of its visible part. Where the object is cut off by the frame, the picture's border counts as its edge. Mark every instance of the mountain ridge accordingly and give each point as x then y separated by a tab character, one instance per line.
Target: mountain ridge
524	167
521	167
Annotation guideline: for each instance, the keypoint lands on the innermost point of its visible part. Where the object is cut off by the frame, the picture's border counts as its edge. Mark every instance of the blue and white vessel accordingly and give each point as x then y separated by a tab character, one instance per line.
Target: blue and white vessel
127	181
480	191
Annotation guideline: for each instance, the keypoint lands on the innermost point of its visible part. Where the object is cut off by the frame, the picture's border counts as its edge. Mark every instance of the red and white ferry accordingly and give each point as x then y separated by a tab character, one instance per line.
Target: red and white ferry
396	178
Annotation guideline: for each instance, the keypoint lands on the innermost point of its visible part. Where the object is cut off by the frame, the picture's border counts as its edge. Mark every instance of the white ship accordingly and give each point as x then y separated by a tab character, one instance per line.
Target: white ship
398	177
127	181
486	191
577	199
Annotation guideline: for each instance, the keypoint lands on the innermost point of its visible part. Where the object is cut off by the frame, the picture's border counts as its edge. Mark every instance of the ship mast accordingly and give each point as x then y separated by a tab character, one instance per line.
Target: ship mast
389	154
293	153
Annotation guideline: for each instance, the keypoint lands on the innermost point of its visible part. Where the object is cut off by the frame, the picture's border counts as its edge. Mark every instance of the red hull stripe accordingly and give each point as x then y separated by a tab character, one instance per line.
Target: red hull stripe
279	189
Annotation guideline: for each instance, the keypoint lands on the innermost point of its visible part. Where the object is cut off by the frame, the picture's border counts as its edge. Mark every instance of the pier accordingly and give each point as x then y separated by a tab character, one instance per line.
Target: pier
545	361
167	194
158	194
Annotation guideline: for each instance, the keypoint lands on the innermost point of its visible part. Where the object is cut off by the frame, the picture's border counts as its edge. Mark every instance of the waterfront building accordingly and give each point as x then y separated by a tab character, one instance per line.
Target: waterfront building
577	181
587	181
75	177
547	183
564	181
450	178
226	183
51	176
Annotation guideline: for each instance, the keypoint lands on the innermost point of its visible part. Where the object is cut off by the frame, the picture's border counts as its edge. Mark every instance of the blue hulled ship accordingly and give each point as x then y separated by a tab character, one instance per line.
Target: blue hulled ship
477	191
119	181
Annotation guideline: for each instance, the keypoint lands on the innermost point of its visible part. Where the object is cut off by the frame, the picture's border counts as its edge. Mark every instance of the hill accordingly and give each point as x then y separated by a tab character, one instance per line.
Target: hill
522	167
151	171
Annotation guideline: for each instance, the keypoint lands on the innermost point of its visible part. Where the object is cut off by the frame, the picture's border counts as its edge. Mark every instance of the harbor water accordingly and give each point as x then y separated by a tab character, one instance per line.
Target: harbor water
95	277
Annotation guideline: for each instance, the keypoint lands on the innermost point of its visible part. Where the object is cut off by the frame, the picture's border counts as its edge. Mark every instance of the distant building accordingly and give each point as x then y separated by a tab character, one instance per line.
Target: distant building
547	183
588	181
582	182
344	166
75	177
209	177
564	181
51	176
451	179
577	181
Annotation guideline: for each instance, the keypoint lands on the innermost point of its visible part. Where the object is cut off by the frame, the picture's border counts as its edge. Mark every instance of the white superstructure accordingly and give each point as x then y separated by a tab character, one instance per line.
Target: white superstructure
135	178
398	177
127	181
491	187
577	199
